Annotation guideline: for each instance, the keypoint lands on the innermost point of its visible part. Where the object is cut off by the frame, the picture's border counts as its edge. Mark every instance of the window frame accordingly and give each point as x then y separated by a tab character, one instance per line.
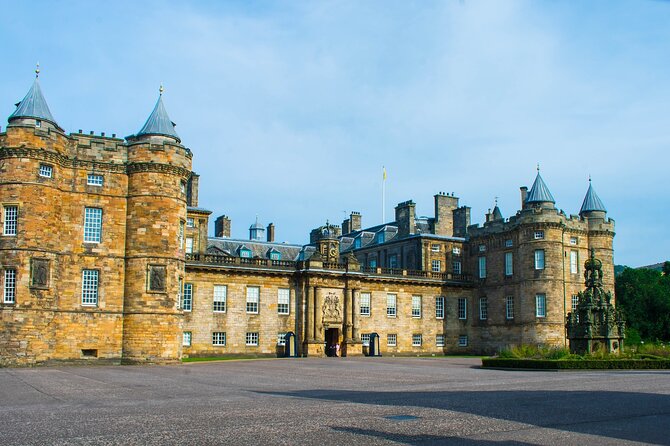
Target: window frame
365	339
483	308
188	247
391	340
9	286
416	309
281	338
93	224
219	300
509	264
440	302
391	310
219	338
574	261
436	266
462	308
538	235
46	170
252	339
190	222
91	179
281	304
250	304
435	247
540	305
457	267
361	307
463	340
417	340
481	263
187	297
90	290
440	340
509	308
186	335
10	221
539	259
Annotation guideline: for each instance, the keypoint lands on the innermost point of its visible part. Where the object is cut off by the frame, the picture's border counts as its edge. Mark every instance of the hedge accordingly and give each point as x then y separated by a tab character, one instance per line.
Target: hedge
567	364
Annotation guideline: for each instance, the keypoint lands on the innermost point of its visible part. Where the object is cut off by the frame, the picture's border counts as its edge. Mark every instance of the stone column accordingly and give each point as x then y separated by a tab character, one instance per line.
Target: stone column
348	313
354	314
309	329
318	319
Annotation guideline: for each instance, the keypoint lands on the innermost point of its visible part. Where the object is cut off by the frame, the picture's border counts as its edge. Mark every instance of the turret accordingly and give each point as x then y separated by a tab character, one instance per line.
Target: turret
159	168
257	231
539	195
33	109
592	206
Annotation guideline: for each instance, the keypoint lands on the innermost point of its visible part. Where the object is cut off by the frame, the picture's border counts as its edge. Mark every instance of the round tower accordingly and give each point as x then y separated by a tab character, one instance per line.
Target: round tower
158	169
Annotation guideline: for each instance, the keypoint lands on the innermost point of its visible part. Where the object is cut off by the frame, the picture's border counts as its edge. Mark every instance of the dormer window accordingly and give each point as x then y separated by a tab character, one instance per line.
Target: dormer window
38	123
380	237
357	242
275	255
245	252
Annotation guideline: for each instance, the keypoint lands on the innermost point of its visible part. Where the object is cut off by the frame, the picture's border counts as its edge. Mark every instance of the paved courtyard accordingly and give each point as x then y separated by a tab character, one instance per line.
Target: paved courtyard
331	401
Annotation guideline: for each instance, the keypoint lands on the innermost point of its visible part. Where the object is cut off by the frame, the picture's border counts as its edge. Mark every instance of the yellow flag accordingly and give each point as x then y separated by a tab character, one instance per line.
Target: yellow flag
384	173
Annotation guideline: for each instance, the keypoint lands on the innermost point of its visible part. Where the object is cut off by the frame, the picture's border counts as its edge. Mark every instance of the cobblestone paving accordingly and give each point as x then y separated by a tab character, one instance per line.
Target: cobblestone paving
331	401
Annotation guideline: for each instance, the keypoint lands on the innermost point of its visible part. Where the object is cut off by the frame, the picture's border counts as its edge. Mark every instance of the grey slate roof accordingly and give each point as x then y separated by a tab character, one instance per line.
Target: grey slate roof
592	201
159	122
539	193
33	106
497	215
231	247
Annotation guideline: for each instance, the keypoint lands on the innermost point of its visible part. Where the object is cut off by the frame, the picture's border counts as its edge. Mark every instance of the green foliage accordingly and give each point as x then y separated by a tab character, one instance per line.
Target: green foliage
666	268
527	351
632	336
566	364
644	297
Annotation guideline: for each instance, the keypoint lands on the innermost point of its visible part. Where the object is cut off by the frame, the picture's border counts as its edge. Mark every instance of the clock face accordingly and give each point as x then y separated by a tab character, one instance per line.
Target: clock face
333	252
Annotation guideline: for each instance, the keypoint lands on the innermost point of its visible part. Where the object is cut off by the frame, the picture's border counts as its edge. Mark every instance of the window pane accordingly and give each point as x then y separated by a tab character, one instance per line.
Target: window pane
482	267
219	338
92	225
94	179
365	304
509	307
509	264
462	308
11	217
253	294
416	306
540	305
391	305
220	298
10	286
187	297
539	259
283	300
391	340
483	308
89	288
439	307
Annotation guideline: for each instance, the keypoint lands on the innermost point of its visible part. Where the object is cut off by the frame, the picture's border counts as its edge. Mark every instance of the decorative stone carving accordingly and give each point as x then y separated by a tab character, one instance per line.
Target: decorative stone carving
157	276
331	307
39	273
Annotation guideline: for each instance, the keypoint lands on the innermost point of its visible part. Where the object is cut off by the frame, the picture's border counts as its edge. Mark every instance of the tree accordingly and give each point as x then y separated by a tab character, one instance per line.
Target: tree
666	268
644	297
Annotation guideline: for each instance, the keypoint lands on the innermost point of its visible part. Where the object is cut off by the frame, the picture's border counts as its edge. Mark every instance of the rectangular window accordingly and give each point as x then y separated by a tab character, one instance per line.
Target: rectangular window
540	305
275	256
539	235
38	123
482	267
456	251
462	308
416	340
180	235
11	218
281	338
380	237
416	306
456	267
574	262
186	339
187	297
190	222
357	242
373	263
439	307
365	338
439	340
391	308
463	341
435	248
365	304
46	170
509	243
92	225
393	261
509	263
539	259
10	286
252	339
483	308
189	245
94	179
253	296
575	305
219	338
283	300
573	240
89	287
509	307
220	298
436	266
391	340
180	284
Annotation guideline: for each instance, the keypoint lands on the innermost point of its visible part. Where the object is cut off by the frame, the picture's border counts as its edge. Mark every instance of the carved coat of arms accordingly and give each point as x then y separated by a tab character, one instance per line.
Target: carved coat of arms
331	307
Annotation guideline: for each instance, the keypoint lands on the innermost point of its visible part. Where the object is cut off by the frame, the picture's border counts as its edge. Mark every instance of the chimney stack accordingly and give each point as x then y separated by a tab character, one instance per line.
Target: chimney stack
271	232
222	226
524	194
355	221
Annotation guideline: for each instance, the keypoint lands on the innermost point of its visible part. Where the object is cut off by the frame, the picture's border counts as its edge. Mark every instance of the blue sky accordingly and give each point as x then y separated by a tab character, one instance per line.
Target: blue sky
291	108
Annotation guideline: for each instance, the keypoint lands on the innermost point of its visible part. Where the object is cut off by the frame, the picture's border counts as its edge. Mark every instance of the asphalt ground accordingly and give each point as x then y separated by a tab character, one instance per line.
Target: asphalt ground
331	401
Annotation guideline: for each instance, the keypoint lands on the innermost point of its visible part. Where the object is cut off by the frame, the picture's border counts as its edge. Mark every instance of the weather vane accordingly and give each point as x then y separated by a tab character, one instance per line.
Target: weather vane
37	70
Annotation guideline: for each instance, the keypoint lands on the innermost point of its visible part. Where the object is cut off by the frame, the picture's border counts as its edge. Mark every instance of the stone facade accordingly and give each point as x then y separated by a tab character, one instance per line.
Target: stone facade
105	256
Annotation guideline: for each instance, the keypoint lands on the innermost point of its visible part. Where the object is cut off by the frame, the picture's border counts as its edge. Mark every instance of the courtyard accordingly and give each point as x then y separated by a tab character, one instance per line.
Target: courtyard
331	401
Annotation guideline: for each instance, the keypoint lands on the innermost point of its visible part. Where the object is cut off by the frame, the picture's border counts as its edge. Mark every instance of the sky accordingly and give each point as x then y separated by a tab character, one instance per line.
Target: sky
292	108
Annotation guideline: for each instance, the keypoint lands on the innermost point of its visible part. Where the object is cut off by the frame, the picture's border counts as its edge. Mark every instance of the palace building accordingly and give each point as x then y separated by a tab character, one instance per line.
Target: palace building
105	256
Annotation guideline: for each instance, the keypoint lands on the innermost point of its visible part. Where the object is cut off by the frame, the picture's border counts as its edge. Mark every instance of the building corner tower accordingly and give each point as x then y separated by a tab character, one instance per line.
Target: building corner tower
159	167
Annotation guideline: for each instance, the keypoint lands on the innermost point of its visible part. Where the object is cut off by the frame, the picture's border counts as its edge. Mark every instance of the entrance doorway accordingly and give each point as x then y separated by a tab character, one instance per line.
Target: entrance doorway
332	342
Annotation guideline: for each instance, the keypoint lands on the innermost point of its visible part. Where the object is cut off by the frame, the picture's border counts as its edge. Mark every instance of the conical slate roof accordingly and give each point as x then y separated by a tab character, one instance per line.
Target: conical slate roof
159	122
539	193
497	215
33	106
592	201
